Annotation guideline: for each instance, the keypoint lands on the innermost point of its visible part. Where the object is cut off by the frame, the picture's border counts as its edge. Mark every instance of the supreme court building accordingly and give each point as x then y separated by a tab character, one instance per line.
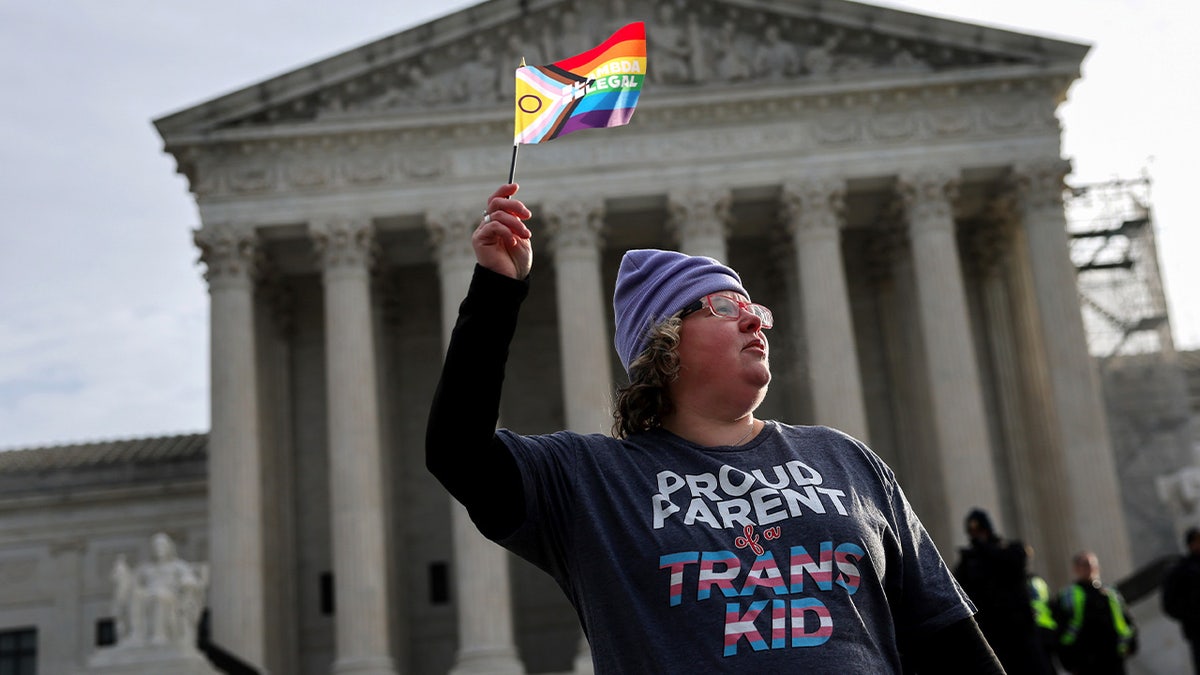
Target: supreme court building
890	184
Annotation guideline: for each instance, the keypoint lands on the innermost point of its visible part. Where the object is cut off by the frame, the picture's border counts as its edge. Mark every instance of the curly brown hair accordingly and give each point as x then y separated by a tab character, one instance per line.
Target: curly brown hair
642	404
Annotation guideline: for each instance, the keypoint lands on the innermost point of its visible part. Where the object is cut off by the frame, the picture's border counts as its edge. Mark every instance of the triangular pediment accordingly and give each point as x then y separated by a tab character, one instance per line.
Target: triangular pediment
462	64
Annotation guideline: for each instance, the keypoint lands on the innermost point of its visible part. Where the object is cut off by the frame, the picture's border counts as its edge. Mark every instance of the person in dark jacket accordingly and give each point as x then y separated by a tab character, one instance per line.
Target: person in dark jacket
1181	594
1096	631
994	574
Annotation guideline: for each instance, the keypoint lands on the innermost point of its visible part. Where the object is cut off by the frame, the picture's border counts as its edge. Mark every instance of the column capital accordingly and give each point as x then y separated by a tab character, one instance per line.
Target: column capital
575	224
344	242
1039	184
230	252
813	205
927	196
699	212
450	233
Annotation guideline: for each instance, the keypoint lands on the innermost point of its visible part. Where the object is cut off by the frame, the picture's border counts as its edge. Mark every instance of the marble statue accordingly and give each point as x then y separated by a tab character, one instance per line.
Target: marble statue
156	608
160	601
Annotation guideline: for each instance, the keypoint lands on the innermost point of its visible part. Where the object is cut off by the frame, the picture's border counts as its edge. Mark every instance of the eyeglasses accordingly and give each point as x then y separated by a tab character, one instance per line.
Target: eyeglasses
730	308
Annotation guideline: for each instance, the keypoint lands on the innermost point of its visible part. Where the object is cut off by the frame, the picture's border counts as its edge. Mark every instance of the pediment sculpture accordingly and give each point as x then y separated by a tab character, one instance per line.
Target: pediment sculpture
691	45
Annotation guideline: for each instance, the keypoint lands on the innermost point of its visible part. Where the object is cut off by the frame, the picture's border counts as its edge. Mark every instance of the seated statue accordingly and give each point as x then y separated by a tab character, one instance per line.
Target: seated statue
159	602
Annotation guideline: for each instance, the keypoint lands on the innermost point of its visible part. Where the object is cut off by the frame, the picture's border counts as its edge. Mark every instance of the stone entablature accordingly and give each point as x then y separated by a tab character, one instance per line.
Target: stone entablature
332	158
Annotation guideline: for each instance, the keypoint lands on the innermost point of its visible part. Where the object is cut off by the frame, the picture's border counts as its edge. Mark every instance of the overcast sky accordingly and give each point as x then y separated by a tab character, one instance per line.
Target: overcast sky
103	310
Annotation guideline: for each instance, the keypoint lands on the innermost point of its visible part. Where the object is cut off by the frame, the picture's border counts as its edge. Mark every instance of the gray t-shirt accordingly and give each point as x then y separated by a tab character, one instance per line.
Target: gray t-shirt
795	550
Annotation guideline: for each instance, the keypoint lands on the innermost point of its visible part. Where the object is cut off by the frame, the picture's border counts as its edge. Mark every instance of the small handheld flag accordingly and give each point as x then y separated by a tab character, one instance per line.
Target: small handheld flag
598	88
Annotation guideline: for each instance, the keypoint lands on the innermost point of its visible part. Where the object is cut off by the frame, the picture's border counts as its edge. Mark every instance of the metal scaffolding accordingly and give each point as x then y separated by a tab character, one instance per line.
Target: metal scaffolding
1116	258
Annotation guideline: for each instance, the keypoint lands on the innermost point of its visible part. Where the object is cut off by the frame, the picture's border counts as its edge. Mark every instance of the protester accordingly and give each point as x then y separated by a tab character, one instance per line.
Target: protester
1181	594
1097	633
993	572
698	538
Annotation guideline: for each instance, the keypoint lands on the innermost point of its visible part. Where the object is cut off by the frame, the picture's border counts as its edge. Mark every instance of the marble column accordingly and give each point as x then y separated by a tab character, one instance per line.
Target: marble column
812	213
960	425
235	453
990	246
1044	450
275	329
1091	477
486	635
346	249
575	240
890	271
699	218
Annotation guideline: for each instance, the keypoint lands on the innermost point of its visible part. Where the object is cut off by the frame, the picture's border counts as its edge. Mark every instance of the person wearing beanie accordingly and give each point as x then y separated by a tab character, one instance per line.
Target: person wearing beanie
995	574
695	537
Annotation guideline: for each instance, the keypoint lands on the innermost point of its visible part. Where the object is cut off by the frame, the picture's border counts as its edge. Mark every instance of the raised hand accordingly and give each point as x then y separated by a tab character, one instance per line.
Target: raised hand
502	242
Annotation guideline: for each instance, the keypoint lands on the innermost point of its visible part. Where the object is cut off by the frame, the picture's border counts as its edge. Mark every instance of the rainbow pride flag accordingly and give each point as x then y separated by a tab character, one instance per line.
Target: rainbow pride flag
598	88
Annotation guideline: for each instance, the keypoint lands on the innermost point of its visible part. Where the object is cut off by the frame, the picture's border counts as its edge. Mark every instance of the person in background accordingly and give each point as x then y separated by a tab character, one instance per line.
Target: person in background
1181	594
697	538
1045	626
993	572
1096	631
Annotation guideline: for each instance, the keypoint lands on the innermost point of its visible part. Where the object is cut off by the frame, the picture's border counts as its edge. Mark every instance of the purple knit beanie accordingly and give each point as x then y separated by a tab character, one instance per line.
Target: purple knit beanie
652	285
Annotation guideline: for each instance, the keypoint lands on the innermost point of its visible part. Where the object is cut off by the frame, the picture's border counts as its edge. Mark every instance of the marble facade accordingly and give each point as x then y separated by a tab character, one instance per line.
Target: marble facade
893	183
889	183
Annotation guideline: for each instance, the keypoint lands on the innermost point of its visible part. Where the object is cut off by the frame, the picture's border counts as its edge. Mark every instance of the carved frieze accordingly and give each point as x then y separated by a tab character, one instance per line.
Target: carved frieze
252	179
366	170
308	175
425	165
839	130
1007	115
694	44
894	126
949	122
798	125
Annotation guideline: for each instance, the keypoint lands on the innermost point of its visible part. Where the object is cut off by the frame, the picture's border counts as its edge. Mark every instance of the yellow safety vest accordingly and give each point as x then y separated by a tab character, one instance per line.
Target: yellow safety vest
1075	597
1039	600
